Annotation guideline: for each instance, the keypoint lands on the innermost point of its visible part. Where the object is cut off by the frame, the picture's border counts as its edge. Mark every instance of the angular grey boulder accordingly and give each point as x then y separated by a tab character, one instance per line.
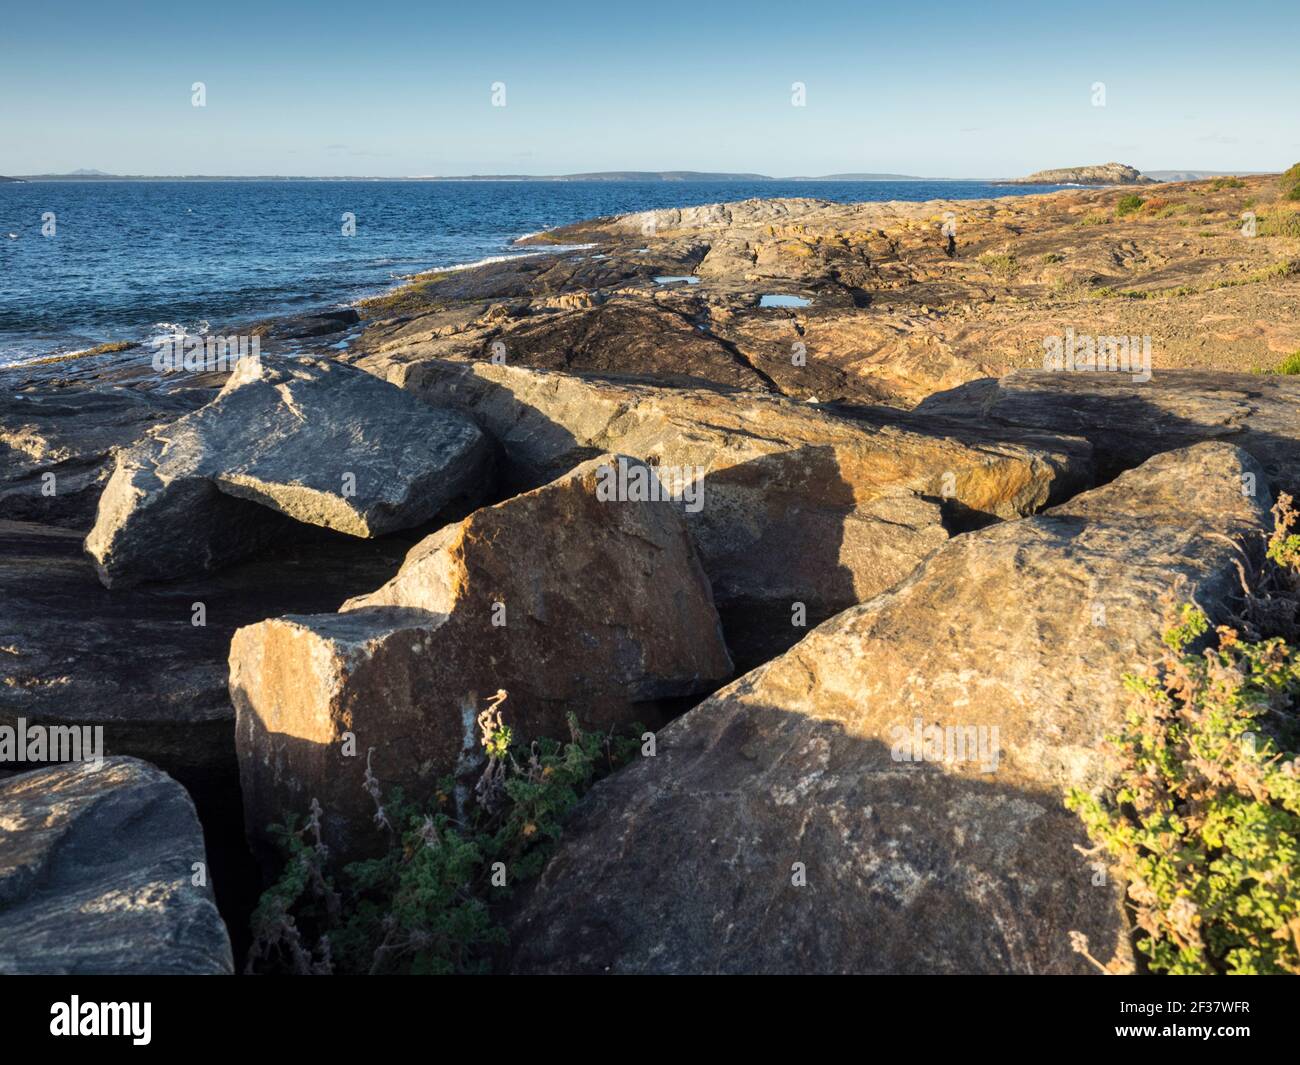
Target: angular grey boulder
887	796
308	440
97	875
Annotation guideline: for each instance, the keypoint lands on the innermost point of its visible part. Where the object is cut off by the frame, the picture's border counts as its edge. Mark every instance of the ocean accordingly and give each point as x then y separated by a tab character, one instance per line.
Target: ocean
128	261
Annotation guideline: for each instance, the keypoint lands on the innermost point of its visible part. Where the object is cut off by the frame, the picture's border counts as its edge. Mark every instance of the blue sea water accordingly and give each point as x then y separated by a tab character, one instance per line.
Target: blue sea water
130	260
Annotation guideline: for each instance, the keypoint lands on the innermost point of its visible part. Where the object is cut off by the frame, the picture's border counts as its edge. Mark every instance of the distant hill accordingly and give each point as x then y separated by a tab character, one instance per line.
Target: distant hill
1105	174
1108	174
868	177
614	175
3	178
675	175
1197	175
600	175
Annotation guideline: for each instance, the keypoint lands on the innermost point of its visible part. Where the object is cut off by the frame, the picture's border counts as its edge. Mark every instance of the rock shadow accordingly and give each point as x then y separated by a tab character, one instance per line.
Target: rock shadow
692	862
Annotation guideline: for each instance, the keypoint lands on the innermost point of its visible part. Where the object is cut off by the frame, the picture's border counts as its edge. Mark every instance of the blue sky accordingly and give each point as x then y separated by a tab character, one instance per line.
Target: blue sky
403	88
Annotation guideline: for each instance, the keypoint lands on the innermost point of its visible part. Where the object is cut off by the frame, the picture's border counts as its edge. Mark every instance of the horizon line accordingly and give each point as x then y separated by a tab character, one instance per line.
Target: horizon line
667	177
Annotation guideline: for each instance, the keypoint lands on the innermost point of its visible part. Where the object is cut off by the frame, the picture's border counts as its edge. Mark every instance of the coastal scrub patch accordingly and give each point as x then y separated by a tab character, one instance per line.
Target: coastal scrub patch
1204	822
1284	268
1280	223
1070	288
1290	183
1000	264
1290	365
1127	205
426	904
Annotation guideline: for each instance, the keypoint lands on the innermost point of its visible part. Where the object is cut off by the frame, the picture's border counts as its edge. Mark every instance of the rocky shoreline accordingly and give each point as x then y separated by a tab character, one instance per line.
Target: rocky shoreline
863	507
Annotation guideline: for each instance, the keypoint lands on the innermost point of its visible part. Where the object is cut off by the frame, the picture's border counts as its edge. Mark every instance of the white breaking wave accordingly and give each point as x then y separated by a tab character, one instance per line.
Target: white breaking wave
488	261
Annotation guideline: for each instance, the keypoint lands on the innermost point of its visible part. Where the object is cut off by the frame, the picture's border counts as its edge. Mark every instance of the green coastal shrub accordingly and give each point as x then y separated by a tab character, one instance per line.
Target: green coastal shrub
1000	264
1280	222
1221	183
1291	364
1204	823
1130	204
425	906
1290	183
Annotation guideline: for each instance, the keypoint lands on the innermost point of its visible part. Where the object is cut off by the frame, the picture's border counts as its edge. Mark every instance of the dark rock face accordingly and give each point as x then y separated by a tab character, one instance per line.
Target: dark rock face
608	338
97	875
132	660
304	326
569	601
886	797
1129	421
70	433
311	441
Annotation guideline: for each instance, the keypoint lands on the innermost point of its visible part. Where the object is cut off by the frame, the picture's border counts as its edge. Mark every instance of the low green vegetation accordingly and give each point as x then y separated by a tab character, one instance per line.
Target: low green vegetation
425	905
1221	183
1053	257
1284	268
1290	365
1279	223
1109	292
1203	823
407	299
1289	186
111	348
1069	288
1094	219
1000	264
1127	205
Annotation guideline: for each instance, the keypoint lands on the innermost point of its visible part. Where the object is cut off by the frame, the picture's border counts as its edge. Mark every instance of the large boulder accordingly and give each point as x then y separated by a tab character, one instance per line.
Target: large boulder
799	504
887	796
308	440
103	871
570	600
1128	421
